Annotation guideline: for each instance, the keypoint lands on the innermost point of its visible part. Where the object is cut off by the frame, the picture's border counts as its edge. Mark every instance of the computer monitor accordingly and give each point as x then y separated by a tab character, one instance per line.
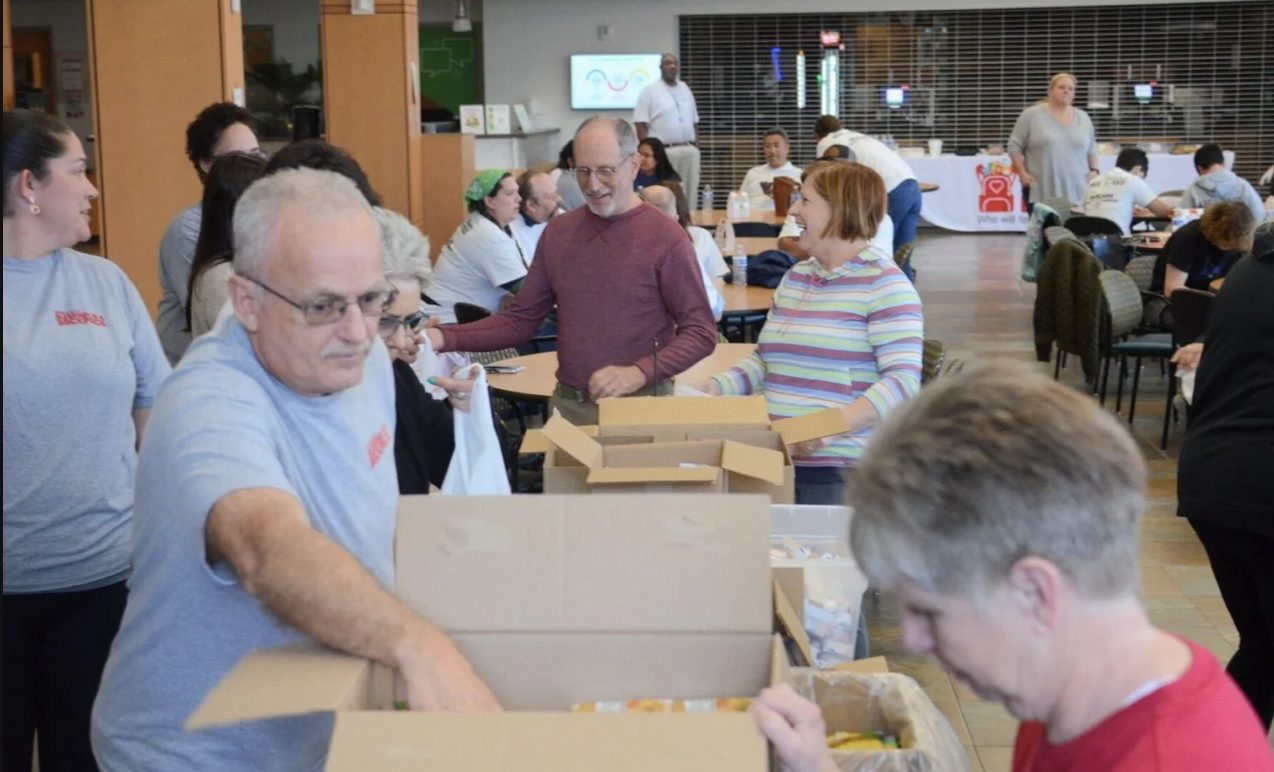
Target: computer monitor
1143	92
894	97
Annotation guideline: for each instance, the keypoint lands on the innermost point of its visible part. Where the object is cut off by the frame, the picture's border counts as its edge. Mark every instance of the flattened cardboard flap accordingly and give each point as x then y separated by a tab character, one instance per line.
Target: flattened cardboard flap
683	411
791	623
752	461
286	681
653	474
534	440
598	563
812	426
571	439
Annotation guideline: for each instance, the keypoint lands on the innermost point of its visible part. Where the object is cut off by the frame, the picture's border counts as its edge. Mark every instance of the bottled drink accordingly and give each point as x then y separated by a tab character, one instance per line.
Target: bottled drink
707	198
739	270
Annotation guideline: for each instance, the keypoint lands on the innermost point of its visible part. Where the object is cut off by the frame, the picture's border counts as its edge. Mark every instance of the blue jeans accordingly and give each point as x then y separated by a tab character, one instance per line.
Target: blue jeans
904	210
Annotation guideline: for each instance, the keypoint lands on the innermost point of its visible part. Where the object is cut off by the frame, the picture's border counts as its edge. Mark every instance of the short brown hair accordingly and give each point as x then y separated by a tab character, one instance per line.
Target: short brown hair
1228	225
855	194
992	465
825	125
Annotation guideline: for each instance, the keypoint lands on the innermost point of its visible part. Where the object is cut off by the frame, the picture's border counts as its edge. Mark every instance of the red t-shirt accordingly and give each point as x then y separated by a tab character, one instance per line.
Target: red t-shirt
1197	723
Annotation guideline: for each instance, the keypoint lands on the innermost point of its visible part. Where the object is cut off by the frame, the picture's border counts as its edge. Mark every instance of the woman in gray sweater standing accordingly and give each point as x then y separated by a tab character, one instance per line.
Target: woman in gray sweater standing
1053	145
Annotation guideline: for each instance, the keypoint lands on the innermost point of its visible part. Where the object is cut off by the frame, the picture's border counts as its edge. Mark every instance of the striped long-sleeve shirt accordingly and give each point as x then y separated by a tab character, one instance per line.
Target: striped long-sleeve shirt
834	337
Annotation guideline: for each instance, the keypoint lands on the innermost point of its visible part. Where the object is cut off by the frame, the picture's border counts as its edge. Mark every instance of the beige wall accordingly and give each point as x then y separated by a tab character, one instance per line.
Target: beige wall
154	64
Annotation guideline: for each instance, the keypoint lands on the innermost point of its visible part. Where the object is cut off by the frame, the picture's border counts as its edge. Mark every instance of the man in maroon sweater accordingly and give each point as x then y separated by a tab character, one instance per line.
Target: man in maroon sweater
631	307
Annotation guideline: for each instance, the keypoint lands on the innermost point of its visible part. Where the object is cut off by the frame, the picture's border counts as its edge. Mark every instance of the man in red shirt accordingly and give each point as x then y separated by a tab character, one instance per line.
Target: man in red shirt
1003	509
631	307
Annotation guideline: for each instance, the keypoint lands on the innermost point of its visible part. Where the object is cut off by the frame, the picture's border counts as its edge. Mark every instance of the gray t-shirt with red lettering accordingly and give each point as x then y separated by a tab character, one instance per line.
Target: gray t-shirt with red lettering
221	424
80	355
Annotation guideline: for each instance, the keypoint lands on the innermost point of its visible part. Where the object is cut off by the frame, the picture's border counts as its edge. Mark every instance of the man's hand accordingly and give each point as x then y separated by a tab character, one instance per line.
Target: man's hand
795	726
439	678
1188	356
615	381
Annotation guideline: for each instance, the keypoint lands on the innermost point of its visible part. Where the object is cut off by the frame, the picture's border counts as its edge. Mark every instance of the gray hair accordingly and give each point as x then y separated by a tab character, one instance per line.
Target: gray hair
625	134
319	194
993	465
660	198
403	247
777	131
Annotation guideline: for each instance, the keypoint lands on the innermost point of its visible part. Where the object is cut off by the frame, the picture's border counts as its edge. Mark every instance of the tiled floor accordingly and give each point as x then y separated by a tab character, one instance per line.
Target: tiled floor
975	303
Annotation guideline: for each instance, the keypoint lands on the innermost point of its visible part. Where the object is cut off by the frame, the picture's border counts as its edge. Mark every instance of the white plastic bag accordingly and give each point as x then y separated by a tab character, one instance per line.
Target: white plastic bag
430	363
477	465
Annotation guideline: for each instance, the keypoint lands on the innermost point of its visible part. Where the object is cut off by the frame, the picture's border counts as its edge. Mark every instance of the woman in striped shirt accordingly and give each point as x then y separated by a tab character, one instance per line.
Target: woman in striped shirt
845	330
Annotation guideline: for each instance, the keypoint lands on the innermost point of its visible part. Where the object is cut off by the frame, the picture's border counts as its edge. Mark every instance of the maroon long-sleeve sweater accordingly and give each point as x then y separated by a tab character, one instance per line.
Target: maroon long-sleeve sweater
619	283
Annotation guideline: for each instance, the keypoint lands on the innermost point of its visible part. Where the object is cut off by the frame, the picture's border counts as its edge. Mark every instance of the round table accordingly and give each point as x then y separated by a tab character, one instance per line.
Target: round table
711	218
747	299
537	381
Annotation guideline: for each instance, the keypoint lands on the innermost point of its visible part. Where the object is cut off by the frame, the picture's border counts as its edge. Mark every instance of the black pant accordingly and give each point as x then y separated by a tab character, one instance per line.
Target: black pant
55	647
1244	571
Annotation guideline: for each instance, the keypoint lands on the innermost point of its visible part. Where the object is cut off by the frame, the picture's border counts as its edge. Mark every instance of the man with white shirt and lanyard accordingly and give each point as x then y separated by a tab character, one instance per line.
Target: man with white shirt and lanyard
1115	194
666	110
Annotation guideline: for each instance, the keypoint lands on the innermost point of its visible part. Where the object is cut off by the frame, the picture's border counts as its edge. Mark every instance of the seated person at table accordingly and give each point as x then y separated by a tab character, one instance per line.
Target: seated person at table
540	203
1003	509
756	183
483	263
1217	183
655	168
625	281
1113	195
1204	249
711	263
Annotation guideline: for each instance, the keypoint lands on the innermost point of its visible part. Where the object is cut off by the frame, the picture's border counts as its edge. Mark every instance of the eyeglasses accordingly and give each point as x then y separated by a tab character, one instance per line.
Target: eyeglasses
603	173
389	324
330	309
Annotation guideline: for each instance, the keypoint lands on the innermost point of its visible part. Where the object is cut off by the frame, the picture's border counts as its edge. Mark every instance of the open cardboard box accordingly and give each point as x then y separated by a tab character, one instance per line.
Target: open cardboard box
555	600
677	455
855	701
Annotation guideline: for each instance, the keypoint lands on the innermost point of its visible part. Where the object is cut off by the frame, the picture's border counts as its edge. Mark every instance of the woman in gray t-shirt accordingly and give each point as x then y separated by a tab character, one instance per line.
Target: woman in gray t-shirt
1053	145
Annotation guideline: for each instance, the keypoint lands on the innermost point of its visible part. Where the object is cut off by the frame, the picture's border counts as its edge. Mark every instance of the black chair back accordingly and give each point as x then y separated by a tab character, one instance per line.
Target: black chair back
1189	314
1085	225
752	230
468	312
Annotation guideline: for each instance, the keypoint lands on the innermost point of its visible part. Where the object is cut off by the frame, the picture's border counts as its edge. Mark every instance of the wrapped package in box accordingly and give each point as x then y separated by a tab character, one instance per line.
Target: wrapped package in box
883	702
814	540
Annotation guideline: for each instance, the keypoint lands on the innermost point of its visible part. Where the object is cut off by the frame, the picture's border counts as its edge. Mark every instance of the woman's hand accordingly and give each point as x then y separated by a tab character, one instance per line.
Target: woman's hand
795	726
458	390
1028	180
809	447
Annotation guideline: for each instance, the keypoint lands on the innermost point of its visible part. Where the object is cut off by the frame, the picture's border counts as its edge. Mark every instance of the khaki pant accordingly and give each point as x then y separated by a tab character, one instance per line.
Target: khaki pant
685	160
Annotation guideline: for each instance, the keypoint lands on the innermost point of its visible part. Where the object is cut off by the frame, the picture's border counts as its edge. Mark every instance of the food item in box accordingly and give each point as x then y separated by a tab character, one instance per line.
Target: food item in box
862	741
832	629
708	705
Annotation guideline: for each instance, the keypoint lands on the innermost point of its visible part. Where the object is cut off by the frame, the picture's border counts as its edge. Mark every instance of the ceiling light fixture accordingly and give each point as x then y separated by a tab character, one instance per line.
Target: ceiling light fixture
461	23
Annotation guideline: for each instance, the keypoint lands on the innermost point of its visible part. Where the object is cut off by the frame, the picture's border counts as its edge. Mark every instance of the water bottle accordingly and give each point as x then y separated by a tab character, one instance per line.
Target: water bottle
707	198
739	270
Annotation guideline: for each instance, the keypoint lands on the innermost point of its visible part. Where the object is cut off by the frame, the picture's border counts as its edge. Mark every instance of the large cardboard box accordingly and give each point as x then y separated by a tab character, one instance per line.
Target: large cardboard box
555	600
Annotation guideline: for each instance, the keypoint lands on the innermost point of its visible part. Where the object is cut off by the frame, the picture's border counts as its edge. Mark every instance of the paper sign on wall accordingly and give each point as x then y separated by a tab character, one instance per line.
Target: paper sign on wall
473	119
498	121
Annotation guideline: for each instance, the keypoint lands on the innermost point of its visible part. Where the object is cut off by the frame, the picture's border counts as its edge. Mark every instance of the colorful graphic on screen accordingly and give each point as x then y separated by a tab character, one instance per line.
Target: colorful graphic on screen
610	81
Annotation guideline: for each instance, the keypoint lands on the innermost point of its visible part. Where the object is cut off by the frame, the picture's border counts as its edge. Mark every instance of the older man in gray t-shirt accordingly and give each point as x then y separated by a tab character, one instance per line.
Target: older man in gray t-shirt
266	497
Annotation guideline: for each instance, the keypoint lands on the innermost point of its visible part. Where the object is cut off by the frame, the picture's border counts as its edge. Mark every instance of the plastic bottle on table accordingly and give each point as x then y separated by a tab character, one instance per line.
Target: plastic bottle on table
706	201
739	269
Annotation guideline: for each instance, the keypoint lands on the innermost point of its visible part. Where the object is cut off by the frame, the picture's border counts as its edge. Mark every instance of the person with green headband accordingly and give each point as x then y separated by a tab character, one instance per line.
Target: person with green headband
482	264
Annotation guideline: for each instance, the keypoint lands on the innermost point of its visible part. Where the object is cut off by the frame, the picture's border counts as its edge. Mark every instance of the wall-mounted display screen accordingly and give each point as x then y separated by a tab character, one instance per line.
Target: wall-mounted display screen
894	97
610	81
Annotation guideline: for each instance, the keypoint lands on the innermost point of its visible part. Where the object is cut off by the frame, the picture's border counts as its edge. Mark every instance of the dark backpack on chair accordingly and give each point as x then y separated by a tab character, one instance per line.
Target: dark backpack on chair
767	268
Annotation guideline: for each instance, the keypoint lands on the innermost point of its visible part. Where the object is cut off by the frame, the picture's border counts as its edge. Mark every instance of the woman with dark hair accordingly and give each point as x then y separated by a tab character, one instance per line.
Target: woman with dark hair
210	271
482	264
567	186
82	367
317	154
655	168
